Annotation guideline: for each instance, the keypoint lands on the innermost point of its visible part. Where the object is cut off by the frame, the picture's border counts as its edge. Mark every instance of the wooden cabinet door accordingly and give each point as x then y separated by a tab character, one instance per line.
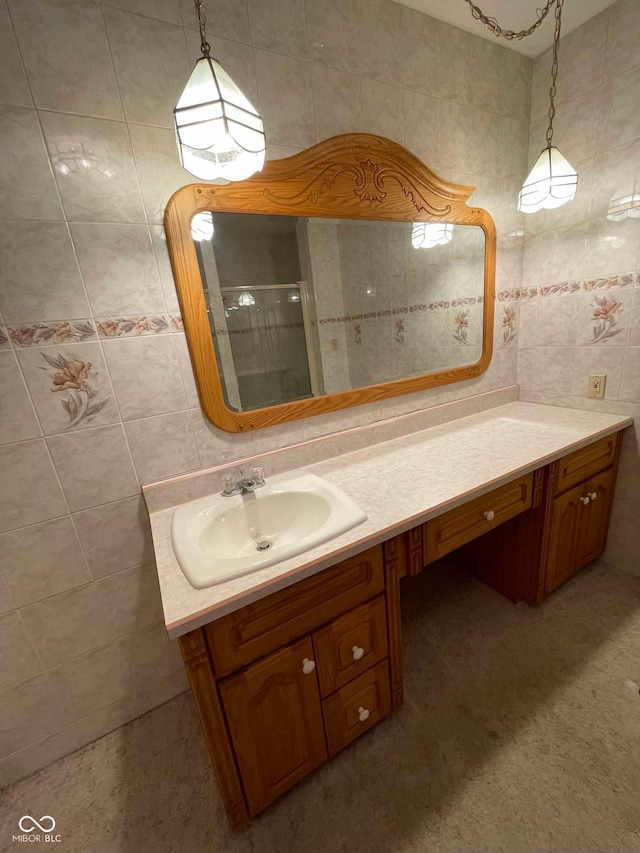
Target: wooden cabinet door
274	716
594	521
562	557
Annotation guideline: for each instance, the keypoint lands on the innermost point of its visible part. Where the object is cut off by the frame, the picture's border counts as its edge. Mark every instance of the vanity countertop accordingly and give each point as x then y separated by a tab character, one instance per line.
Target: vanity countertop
399	484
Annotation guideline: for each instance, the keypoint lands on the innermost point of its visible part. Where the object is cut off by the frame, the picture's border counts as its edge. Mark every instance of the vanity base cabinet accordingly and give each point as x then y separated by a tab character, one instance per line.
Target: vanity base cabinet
289	680
565	529
275	721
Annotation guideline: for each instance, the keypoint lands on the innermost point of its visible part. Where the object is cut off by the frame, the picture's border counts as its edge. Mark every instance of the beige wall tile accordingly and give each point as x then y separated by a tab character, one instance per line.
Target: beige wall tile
155	359
27	189
422	38
546	369
616	175
119	268
225	18
332	33
112	672
336	97
18	422
382	109
115	536
18	660
29	488
42	560
603	317
158	166
15	89
379	40
630	382
280	26
623	40
65	49
423	127
105	190
174	434
6	603
186	370
163	10
607	360
74	622
574	129
150	59
94	466
29	710
41	279
612	247
69	386
620	118
290	120
215	446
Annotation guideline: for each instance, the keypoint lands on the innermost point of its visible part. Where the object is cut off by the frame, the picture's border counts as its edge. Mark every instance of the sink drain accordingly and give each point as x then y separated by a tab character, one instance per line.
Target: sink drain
263	546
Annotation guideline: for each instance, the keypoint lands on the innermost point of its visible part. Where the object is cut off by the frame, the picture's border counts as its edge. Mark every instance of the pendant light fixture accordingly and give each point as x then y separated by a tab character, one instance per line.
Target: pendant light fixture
220	134
426	235
553	181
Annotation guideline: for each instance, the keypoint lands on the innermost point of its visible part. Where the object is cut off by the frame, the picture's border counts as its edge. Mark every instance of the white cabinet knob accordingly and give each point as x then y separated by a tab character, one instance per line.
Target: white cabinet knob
585	500
489	515
593	495
363	714
308	666
357	652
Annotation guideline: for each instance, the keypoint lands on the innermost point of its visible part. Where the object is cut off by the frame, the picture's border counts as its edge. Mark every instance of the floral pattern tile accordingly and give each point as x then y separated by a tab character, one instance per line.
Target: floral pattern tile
606	315
461	327
46	334
131	327
5	343
69	386
509	326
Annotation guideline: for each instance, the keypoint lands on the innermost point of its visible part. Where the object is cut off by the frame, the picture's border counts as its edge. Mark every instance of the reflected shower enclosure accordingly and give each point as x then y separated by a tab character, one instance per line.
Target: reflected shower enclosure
259	310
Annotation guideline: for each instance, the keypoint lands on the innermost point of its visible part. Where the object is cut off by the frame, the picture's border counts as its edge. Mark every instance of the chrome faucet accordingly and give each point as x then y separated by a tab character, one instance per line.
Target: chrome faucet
243	485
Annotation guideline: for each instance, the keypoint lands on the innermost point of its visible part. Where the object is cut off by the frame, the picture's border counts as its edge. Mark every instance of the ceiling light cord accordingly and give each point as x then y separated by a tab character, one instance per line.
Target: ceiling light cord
497	30
554	71
201	17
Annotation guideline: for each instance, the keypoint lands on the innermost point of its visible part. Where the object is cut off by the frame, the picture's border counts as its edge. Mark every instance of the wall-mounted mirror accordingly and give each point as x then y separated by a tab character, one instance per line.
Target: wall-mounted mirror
341	275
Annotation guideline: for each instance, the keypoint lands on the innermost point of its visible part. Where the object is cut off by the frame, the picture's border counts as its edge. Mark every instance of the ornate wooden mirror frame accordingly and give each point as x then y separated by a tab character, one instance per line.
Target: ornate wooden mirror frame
354	176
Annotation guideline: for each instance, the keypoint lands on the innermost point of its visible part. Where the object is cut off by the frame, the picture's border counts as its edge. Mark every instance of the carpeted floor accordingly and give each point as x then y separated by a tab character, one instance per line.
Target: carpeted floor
520	732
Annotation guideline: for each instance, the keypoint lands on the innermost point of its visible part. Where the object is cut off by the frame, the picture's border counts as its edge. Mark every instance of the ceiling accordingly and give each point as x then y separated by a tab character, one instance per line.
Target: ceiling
512	15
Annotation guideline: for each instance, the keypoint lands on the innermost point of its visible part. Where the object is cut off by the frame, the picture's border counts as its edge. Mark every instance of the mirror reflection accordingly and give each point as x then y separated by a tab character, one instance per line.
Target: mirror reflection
302	307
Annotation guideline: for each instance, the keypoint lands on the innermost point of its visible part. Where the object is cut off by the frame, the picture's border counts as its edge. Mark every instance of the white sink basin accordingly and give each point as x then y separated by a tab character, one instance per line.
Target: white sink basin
217	538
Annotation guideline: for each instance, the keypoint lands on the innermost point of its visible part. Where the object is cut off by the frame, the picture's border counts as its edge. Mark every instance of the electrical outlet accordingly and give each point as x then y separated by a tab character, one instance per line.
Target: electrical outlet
335	344
597	382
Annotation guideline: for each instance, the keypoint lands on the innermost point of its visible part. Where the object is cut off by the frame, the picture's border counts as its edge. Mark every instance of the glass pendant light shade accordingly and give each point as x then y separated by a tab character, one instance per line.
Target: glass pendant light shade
220	134
551	183
623	207
246	299
202	226
426	235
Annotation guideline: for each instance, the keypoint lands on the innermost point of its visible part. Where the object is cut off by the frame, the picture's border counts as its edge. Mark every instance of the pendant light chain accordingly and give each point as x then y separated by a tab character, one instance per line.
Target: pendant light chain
201	17
554	71
497	30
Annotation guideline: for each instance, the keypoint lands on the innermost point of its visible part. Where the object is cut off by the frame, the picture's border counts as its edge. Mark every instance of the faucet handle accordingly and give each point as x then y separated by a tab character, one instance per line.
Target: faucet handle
228	484
257	475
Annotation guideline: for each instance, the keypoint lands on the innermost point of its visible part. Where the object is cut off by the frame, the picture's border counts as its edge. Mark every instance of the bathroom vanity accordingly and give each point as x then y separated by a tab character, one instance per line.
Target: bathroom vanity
290	664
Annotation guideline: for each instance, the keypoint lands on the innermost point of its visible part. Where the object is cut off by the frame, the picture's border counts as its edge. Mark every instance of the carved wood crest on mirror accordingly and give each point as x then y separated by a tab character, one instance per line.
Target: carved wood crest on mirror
340	276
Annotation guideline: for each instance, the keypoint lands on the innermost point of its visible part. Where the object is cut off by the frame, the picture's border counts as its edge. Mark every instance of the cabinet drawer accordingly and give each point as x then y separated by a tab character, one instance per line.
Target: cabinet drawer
464	523
257	629
356	707
586	462
350	644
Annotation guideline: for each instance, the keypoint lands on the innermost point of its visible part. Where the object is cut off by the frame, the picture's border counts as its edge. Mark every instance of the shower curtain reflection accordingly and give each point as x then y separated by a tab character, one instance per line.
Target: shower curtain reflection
266	331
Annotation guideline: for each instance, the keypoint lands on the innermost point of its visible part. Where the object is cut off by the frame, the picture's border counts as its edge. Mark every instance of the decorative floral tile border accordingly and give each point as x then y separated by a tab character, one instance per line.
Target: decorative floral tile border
133	326
5	343
583	285
48	334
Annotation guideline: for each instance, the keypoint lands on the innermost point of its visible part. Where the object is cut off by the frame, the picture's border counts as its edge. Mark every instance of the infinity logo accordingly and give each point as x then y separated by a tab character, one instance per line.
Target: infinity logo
28	823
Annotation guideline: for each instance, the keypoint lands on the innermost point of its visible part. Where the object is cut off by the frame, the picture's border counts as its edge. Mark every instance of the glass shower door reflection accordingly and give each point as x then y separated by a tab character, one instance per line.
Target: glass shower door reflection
266	329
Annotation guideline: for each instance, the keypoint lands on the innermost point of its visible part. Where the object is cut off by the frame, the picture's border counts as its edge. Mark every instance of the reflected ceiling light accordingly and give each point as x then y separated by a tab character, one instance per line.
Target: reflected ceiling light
246	299
220	134
202	226
621	208
293	296
553	181
426	235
